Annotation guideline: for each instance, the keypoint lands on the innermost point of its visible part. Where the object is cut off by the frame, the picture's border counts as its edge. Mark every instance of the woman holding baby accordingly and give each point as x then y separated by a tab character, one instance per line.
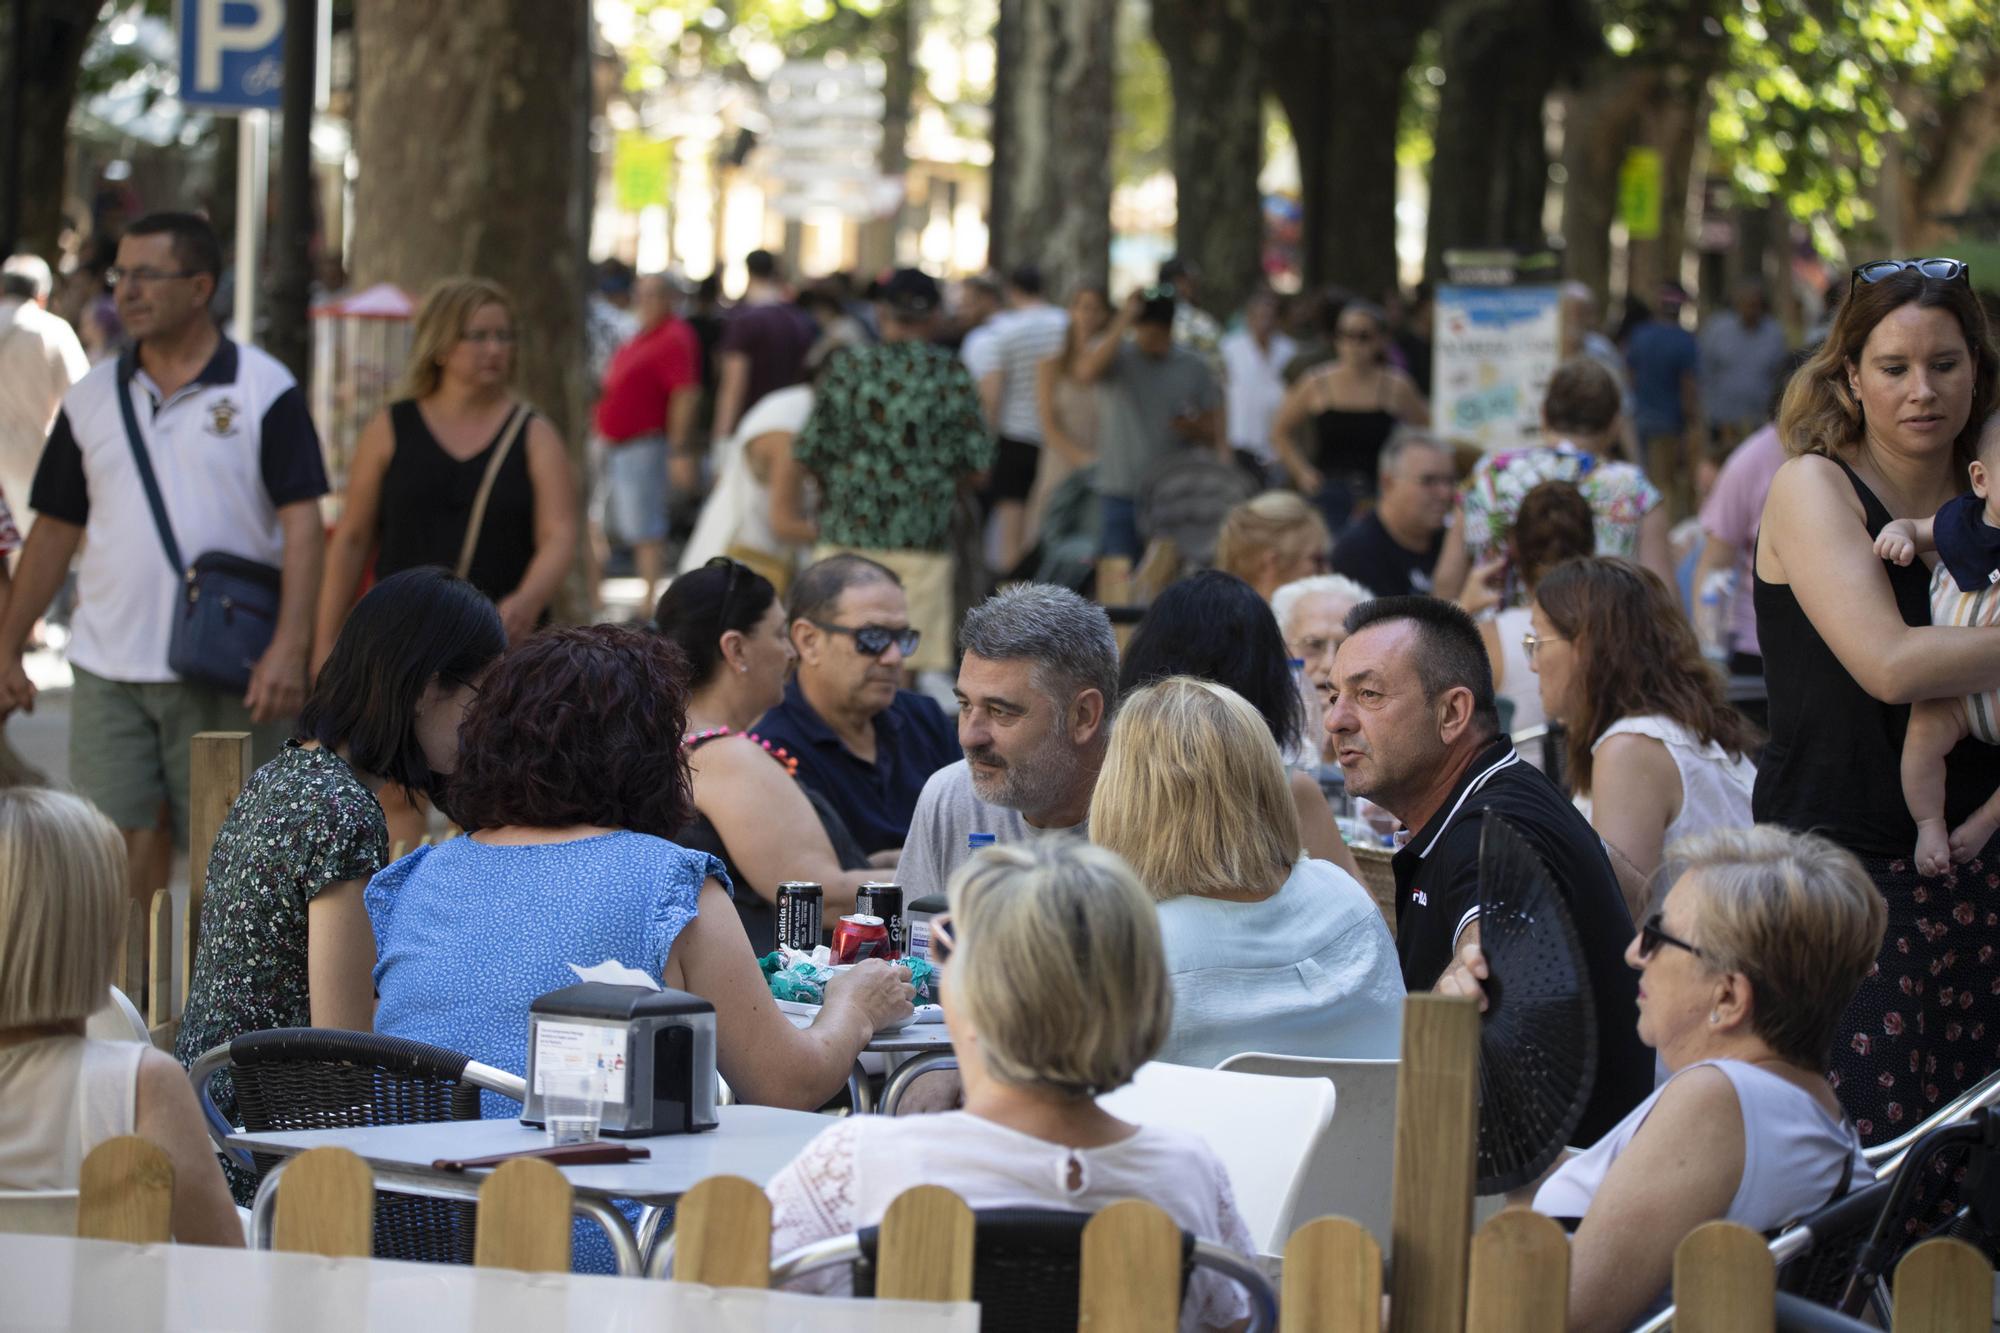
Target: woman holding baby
1882	425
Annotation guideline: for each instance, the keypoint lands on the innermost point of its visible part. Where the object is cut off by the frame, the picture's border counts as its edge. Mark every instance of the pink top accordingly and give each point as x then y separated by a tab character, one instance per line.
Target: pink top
1732	513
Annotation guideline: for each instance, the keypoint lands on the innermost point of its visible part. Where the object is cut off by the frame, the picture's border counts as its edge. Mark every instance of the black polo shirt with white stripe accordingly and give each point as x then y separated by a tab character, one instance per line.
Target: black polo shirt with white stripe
1437	896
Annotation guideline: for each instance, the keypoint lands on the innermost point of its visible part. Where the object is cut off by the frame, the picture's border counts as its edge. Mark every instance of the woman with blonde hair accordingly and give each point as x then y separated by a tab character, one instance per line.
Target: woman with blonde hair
1268	950
62	914
1745	970
458	472
1272	539
1055	992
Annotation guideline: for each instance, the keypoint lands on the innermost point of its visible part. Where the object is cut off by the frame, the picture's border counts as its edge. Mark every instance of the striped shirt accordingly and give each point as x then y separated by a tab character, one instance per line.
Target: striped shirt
1952	606
1023	340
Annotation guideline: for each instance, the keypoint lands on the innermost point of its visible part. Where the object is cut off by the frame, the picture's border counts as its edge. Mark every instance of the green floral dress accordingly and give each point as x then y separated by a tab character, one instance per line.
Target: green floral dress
303	822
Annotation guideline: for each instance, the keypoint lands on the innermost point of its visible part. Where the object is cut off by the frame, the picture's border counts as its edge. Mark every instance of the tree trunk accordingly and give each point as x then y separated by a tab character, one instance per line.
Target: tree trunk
45	42
1337	67
1217	137
1672	123
1490	170
1600	121
471	130
876	246
1052	200
468	125
1955	141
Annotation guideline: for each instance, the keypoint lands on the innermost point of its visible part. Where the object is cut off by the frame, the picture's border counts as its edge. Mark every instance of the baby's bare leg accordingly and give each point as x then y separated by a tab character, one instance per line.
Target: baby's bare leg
1935	726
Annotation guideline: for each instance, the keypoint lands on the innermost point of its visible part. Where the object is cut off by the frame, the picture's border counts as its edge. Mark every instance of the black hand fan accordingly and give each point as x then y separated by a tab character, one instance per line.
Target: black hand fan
1538	1037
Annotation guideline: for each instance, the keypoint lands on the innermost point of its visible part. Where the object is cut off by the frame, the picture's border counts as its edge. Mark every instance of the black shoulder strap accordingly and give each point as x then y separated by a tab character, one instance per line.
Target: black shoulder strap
128	365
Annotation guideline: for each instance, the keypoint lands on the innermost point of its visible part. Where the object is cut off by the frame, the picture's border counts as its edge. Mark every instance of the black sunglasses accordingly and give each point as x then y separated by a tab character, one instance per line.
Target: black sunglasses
1944	270
731	567
1651	937
874	640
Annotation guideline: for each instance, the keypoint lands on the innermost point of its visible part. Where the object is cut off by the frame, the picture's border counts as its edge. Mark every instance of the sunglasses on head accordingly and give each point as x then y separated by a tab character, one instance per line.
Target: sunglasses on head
874	640
730	569
1651	937
1944	270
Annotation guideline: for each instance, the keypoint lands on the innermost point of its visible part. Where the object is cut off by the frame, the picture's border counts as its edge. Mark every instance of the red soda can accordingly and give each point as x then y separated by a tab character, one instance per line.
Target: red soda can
857	937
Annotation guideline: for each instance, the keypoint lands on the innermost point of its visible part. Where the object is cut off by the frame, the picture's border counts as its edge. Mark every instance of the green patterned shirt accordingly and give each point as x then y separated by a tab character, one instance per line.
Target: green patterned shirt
893	430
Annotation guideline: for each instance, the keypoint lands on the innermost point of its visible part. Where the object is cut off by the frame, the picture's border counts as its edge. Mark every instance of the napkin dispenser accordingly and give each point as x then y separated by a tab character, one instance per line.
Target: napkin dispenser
656	1049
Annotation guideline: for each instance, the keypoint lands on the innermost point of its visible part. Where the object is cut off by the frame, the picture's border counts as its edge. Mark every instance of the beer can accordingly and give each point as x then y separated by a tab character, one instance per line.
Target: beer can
884	899
799	914
857	937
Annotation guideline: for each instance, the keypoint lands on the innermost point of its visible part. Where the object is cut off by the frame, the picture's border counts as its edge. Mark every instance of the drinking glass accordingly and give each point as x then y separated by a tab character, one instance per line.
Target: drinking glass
572	1104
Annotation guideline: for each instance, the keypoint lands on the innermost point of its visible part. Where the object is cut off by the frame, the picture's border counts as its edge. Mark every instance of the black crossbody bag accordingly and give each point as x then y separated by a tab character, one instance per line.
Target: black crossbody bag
225	607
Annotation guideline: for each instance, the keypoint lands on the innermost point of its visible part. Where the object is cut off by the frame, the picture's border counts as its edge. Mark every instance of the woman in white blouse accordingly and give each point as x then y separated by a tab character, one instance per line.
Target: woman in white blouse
1268	950
1744	973
1054	993
1656	754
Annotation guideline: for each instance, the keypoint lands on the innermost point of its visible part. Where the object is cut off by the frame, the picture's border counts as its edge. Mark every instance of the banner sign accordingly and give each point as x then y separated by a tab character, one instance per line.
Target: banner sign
1494	349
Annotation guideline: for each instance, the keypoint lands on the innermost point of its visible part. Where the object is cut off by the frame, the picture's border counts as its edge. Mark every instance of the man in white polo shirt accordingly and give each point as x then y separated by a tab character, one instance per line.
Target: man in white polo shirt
239	469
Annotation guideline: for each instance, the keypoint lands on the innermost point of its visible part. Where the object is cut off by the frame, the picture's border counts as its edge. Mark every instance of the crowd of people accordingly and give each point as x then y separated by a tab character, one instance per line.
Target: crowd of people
1782	927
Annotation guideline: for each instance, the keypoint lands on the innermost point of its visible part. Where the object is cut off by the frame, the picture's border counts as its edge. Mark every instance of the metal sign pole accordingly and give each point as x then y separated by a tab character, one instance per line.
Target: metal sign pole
253	169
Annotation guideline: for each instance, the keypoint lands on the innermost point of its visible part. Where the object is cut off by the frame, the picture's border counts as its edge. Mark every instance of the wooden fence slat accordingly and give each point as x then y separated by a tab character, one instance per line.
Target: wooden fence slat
524	1219
1943	1286
219	766
159	995
326	1206
126	1193
1333	1279
1724	1281
1520	1275
132	958
1437	1127
722	1234
926	1247
1131	1274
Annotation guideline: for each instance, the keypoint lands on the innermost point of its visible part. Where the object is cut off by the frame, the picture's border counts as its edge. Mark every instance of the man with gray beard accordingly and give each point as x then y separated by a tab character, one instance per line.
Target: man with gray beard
1035	692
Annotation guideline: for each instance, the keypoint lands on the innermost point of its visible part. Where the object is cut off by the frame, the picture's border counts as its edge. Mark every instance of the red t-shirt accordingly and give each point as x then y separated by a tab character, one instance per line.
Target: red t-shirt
644	376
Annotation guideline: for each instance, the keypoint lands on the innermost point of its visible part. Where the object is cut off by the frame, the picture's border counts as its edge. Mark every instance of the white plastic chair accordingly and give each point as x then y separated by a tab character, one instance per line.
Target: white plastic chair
118	1020
38	1212
1353	1172
1266	1131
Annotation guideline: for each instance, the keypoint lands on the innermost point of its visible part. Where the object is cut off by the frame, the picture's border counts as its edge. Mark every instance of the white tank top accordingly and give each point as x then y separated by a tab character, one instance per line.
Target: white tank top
59	1098
1715	788
1795	1153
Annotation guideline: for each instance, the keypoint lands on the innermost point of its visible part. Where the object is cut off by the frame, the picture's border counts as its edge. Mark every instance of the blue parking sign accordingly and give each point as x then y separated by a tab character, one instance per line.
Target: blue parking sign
232	53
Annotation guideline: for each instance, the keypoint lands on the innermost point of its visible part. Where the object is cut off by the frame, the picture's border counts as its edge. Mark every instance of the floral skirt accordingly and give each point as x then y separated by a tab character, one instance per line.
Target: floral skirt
1925	1024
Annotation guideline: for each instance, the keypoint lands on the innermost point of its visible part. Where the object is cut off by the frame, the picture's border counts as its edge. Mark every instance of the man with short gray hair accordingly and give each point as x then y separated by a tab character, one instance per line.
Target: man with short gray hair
39	359
1393	548
1035	692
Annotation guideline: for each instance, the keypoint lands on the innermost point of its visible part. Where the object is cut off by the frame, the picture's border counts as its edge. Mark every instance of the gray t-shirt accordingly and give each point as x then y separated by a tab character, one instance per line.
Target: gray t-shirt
947	813
1143	396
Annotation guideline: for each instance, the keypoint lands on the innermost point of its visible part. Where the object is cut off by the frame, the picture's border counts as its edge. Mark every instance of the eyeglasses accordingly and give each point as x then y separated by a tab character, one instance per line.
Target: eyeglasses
1531	641
729	568
941	939
143	276
1944	270
1357	335
1162	291
874	640
499	337
1651	937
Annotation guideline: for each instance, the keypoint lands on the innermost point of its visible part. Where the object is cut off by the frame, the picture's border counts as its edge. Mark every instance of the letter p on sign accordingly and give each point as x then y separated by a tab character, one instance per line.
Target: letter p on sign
230	52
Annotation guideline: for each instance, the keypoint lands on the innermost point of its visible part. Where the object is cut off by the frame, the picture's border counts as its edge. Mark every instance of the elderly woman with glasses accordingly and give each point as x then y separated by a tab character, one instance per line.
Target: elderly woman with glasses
1882	424
1032	1134
1743	974
729	625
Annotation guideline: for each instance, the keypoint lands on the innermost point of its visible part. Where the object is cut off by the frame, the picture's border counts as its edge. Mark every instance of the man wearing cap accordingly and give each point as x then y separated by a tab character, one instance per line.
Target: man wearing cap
895	434
1666	394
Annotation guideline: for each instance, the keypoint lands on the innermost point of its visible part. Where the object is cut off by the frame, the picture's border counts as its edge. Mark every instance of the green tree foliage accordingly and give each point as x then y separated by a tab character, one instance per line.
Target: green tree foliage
1813	91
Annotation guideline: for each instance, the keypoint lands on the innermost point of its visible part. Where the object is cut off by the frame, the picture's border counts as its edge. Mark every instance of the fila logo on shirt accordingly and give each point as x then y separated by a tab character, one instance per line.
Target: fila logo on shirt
223	414
1420	898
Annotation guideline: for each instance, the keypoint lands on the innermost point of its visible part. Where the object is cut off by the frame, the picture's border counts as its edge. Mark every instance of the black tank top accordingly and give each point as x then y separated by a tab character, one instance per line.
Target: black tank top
427	500
1350	440
1835	759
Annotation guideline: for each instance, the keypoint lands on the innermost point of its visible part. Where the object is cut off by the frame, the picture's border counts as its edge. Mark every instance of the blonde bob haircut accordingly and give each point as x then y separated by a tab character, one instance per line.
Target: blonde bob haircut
1277	521
1193	794
1058	966
448	307
1794	913
62	906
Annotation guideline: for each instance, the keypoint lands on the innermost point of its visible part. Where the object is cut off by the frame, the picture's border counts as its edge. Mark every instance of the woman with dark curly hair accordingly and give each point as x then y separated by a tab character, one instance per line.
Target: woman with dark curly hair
571	780
1656	754
1215	627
